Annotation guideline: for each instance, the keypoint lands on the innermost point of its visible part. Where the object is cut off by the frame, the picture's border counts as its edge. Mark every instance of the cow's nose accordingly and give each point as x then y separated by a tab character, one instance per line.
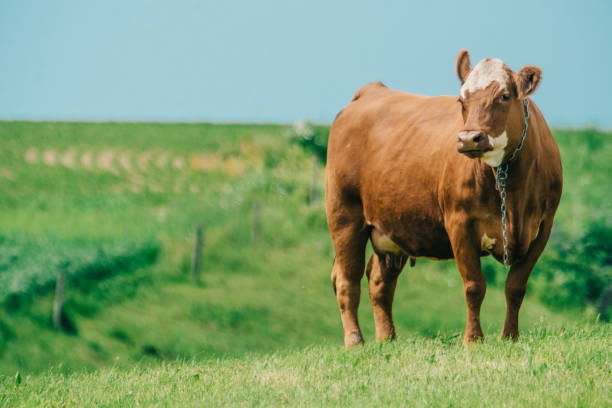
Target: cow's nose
471	136
472	140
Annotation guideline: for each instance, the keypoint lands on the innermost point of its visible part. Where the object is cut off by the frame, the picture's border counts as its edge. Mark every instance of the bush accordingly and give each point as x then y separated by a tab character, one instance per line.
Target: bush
29	266
311	137
577	272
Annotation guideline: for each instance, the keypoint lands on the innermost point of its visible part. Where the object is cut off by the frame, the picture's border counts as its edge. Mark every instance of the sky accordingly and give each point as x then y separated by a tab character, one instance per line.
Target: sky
282	61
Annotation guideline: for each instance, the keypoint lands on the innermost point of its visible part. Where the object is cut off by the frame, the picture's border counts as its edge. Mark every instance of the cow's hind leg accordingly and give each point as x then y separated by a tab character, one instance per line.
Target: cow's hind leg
349	243
383	271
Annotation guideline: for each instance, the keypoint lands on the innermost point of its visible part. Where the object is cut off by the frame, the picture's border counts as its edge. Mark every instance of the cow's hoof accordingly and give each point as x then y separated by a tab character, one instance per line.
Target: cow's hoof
514	336
386	336
353	339
472	340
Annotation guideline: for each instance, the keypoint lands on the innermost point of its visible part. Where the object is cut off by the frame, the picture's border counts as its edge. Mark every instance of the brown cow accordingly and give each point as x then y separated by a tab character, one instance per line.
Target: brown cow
417	176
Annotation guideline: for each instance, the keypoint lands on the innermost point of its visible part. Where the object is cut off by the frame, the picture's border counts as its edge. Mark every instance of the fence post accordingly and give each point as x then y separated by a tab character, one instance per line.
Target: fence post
197	254
256	221
314	184
606	300
58	302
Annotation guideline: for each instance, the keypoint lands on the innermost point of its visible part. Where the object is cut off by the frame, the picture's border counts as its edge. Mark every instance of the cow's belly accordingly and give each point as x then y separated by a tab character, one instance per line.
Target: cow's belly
428	243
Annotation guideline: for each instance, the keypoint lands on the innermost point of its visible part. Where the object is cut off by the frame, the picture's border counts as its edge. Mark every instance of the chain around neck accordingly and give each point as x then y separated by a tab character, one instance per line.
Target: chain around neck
500	184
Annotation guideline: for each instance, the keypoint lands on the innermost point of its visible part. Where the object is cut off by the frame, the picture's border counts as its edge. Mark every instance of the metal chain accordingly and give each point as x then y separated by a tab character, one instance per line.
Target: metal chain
500	184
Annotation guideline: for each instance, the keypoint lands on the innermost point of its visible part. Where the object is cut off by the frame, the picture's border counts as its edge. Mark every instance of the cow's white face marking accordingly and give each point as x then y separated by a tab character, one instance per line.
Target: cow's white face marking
487	243
494	157
485	72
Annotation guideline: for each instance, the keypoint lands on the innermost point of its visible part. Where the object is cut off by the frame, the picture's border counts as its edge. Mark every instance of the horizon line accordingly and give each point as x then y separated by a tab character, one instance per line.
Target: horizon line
245	123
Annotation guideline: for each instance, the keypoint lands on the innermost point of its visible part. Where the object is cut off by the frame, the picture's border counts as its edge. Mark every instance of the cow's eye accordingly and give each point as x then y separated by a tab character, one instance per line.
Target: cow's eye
505	97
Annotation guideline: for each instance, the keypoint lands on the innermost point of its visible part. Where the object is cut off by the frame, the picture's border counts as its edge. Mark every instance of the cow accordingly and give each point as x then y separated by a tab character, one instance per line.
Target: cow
420	176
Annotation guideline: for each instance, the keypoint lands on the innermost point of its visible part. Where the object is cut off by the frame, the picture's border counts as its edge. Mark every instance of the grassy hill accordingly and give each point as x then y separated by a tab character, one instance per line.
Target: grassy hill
547	368
70	191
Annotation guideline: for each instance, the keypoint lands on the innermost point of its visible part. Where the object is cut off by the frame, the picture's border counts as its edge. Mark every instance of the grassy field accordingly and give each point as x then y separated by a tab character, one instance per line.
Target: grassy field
70	191
547	368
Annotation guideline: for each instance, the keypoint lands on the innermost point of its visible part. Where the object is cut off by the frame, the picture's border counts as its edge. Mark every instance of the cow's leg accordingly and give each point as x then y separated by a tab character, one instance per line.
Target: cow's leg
467	257
474	289
516	282
349	243
383	271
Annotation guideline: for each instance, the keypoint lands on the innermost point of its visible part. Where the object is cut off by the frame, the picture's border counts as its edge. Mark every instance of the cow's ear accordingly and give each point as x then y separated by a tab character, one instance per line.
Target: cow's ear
527	80
463	66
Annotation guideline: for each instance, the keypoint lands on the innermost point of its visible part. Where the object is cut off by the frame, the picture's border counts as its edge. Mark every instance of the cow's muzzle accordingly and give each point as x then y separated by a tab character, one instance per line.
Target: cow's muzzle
473	143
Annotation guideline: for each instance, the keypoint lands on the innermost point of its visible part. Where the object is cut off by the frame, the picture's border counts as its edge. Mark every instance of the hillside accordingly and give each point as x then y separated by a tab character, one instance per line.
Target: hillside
72	191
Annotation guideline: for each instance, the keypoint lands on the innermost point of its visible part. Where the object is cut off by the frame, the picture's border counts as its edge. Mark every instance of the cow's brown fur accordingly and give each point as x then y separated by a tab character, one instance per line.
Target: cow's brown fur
393	166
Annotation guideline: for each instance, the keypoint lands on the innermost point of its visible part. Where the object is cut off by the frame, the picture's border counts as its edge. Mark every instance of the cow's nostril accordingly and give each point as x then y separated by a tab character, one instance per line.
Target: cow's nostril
477	138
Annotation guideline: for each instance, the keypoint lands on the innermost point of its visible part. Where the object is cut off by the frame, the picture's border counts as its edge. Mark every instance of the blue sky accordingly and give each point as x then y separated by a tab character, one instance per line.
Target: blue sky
279	61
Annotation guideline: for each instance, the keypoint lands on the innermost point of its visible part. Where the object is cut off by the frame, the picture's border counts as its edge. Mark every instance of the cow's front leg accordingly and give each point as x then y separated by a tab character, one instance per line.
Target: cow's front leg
383	271
516	282
516	287
467	257
474	289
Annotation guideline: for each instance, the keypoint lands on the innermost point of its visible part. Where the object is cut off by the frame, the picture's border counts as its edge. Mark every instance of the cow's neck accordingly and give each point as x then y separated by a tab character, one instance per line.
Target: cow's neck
522	176
520	168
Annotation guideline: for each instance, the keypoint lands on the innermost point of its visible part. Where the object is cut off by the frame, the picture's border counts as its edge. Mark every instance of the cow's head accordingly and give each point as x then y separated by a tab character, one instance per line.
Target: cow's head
491	101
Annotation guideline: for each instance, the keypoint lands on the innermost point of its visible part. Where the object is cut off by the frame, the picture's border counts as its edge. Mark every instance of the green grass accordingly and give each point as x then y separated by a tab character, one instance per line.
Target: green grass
548	367
255	297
